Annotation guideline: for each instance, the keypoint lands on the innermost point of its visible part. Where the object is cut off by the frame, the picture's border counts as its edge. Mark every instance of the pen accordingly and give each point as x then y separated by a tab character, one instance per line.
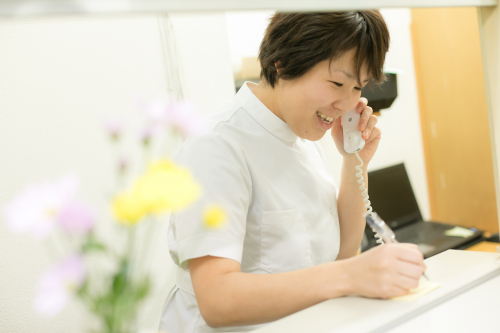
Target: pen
382	229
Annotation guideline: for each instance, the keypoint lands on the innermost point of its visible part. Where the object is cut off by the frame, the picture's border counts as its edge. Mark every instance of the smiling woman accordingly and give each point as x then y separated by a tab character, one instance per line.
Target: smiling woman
290	238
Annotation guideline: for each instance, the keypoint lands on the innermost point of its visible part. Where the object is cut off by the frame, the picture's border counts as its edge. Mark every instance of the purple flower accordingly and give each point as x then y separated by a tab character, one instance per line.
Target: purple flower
58	283
76	218
114	129
123	164
183	118
180	116
37	209
156	111
147	133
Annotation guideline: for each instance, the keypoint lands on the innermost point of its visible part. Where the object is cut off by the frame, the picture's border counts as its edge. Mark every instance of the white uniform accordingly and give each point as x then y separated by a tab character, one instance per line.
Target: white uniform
278	194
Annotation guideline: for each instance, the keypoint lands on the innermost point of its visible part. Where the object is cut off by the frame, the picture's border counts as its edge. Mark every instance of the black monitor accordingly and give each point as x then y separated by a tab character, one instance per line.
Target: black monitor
392	197
381	97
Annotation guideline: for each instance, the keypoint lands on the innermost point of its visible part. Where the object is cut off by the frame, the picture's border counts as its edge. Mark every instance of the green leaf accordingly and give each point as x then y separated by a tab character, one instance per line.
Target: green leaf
82	291
93	244
142	289
120	279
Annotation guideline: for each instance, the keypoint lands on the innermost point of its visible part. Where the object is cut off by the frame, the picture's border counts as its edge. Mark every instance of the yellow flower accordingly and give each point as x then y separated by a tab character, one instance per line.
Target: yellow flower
214	216
128	208
164	186
167	186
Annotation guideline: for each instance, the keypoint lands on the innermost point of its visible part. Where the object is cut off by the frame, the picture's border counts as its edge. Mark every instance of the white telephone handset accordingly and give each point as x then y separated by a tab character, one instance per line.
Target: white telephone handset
353	141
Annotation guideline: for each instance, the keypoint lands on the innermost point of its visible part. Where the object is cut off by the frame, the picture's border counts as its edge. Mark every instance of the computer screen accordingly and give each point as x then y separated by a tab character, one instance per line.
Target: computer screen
392	197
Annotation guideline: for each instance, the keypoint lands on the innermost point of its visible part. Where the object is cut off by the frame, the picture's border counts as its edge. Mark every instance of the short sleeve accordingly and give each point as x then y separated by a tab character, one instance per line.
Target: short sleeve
219	166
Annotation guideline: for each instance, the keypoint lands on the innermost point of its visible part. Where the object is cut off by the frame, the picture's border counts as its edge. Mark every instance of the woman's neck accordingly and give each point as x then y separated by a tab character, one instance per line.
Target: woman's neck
268	96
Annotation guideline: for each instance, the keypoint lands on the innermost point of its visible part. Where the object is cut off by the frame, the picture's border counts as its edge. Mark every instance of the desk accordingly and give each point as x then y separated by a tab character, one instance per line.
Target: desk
461	314
484	247
466	277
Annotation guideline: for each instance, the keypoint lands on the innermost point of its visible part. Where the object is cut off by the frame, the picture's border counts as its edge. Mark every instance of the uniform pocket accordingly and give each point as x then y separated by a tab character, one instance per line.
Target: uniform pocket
284	241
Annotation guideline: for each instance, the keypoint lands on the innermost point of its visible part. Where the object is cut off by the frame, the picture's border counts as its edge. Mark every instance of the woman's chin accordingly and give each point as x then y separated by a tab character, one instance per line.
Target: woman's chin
314	135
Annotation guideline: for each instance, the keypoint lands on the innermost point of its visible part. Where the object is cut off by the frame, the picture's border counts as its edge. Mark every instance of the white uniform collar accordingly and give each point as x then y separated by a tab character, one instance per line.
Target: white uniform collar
263	115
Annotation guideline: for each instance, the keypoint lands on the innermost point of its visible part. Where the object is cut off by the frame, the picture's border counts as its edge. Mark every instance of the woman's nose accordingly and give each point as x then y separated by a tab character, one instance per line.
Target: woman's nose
346	102
345	105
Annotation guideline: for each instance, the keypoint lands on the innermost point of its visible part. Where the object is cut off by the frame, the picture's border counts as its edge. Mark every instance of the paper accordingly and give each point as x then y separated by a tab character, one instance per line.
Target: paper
424	286
459	232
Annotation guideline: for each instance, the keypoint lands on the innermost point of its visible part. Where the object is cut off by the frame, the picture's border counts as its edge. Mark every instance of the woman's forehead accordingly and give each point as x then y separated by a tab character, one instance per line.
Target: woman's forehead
345	63
351	75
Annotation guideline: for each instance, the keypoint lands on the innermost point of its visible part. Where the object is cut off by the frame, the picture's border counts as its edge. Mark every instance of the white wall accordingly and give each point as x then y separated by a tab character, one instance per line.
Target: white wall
245	31
61	78
400	124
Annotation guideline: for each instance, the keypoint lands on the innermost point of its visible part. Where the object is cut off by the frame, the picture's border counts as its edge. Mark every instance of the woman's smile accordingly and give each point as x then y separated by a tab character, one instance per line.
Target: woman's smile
324	121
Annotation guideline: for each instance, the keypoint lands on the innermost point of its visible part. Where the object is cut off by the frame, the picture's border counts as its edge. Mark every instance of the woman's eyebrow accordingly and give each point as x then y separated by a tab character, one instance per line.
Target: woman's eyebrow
349	75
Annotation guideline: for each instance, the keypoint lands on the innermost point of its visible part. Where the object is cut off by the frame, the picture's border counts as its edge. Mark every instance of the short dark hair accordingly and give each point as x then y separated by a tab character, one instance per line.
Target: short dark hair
295	42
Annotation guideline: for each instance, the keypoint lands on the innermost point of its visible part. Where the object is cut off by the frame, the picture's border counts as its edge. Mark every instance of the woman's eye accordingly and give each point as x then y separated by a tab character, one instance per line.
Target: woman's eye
358	88
337	84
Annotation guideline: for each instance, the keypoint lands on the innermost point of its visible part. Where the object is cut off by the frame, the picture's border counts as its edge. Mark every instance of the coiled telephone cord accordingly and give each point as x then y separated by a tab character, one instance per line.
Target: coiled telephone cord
364	193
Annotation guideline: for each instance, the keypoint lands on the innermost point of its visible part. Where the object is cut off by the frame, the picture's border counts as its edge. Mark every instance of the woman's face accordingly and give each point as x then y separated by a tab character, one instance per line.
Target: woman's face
323	92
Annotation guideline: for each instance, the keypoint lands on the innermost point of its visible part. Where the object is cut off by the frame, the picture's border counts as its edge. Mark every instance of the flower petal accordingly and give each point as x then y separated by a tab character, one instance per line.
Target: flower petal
58	283
76	218
214	216
36	209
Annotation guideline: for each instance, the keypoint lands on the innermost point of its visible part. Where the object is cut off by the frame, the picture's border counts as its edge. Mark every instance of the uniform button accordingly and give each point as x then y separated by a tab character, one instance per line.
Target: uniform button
333	210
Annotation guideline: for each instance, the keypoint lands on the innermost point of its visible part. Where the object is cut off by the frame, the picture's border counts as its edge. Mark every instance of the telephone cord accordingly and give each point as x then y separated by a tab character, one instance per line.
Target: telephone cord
364	193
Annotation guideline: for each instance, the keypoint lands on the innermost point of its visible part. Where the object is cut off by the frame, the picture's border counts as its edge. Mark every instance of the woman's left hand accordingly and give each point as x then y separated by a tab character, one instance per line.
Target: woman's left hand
366	125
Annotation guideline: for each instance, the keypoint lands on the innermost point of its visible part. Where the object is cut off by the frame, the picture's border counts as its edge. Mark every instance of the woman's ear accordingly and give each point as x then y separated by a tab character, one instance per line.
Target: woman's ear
276	65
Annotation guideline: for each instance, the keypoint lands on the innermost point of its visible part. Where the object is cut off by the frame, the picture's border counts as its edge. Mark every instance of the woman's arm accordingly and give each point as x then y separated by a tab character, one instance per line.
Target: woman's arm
350	203
228	297
351	208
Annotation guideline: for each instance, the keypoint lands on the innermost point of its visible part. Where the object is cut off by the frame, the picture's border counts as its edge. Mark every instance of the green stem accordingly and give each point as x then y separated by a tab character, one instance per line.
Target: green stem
146	244
130	247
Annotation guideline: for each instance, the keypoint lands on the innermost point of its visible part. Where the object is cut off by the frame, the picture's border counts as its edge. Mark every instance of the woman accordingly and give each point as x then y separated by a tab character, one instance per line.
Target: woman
291	239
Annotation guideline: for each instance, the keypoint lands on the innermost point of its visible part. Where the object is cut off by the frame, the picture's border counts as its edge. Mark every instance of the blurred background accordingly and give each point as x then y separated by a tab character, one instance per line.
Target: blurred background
63	76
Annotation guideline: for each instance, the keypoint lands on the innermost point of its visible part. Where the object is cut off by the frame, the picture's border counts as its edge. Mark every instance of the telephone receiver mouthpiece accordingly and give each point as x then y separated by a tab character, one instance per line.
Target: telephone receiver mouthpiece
353	141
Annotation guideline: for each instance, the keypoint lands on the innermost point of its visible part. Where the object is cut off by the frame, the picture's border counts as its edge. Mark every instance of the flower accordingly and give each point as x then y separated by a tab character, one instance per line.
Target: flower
58	283
128	207
114	129
123	164
156	110
76	218
214	216
36	210
167	186
180	116
147	134
164	186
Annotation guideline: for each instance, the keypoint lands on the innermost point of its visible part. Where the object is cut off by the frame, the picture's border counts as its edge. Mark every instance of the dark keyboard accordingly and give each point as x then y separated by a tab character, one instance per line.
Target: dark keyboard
421	232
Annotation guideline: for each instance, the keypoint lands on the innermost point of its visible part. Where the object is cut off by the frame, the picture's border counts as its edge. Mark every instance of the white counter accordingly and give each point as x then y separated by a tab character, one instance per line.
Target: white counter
466	278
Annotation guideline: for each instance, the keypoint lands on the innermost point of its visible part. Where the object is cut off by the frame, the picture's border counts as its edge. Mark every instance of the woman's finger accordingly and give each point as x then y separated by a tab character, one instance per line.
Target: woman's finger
372	121
406	282
363	102
396	291
365	116
409	270
374	134
410	254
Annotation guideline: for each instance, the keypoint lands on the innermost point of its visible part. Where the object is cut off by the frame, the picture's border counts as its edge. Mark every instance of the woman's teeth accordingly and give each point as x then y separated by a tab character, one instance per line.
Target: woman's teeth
325	119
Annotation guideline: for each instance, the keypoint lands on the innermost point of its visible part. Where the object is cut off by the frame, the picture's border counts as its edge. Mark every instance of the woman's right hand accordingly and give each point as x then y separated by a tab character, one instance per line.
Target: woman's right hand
386	271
